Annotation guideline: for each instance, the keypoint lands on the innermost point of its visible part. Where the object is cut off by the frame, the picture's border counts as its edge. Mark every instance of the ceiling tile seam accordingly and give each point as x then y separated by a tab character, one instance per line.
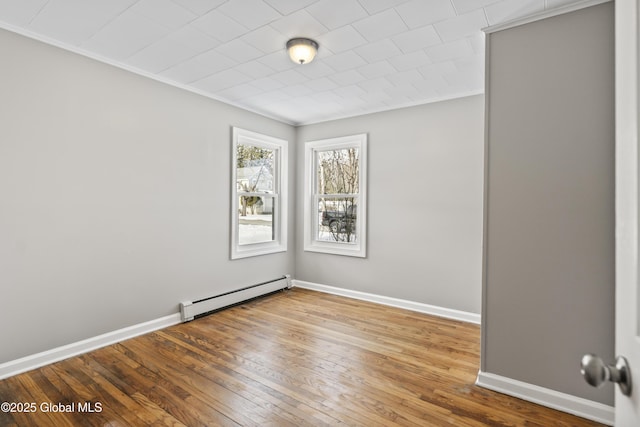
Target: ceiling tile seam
35	15
453	6
437	33
486	16
268	24
189	25
431	24
311	80
84	43
275	72
110	21
407	30
175	30
199	14
196	16
390	39
244	26
359	56
362	6
337	90
187	58
352	25
222	70
403	20
384	9
248	30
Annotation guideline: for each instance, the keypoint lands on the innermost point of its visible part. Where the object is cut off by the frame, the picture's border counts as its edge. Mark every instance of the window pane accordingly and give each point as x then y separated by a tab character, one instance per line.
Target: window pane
337	219
255	220
258	194
338	171
255	166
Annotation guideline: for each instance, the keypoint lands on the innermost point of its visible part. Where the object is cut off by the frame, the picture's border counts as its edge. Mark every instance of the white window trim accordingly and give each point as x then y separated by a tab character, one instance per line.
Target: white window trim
280	196
311	243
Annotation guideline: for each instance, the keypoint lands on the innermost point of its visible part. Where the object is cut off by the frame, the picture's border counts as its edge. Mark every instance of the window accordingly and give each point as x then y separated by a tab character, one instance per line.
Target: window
259	194
335	196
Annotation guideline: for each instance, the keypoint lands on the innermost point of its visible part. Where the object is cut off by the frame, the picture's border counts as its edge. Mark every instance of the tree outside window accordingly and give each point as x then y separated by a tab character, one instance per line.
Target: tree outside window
335	196
259	197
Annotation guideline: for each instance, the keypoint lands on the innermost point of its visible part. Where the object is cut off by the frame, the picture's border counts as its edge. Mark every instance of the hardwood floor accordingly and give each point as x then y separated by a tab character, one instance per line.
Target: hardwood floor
295	358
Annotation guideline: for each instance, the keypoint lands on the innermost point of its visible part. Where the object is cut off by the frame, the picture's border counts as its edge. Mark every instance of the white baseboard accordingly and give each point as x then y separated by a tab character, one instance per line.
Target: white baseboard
584	408
393	302
37	360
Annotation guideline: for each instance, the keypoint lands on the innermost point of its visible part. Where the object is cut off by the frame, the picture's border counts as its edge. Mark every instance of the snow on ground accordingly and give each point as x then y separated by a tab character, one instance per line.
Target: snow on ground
259	229
255	229
250	233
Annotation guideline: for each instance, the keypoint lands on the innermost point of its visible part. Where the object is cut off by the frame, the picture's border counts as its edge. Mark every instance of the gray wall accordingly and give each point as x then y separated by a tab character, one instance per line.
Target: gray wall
549	273
114	198
425	205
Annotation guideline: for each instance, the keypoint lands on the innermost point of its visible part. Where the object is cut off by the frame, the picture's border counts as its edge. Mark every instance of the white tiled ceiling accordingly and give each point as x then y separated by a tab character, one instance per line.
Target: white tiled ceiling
374	54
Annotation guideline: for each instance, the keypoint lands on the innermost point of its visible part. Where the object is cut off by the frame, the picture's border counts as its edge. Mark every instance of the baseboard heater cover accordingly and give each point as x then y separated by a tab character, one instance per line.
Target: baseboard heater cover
189	310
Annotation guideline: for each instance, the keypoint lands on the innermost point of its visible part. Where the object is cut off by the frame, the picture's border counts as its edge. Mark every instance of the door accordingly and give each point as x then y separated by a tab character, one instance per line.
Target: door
627	220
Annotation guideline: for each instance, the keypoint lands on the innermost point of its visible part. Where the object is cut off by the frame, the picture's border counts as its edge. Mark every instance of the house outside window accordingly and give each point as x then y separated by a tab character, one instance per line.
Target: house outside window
259	196
336	196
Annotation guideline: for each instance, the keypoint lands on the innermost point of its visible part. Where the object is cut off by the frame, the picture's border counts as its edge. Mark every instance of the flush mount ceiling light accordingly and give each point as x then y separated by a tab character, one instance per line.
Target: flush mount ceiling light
301	50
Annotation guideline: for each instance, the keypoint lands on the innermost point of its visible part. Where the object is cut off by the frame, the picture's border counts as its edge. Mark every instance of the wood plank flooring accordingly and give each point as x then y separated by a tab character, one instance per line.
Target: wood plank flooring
295	358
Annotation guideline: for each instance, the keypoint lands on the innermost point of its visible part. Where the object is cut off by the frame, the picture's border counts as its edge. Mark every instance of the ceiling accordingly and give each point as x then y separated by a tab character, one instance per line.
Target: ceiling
374	55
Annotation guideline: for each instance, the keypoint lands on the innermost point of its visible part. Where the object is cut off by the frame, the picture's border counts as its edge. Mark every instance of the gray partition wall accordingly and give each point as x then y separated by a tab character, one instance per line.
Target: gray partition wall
548	289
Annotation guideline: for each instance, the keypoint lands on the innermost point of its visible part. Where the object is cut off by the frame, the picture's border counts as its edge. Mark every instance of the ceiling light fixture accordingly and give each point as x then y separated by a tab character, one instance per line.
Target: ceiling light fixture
301	50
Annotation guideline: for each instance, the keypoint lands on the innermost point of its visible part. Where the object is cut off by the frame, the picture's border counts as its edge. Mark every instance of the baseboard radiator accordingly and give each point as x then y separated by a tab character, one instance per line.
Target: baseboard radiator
190	310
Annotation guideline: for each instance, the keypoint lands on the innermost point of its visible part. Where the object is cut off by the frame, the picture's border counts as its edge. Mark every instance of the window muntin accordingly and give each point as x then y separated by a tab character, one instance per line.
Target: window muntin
259	195
335	199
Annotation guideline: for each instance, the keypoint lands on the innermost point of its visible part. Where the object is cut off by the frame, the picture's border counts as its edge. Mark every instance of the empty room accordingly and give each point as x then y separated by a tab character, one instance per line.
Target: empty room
319	213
